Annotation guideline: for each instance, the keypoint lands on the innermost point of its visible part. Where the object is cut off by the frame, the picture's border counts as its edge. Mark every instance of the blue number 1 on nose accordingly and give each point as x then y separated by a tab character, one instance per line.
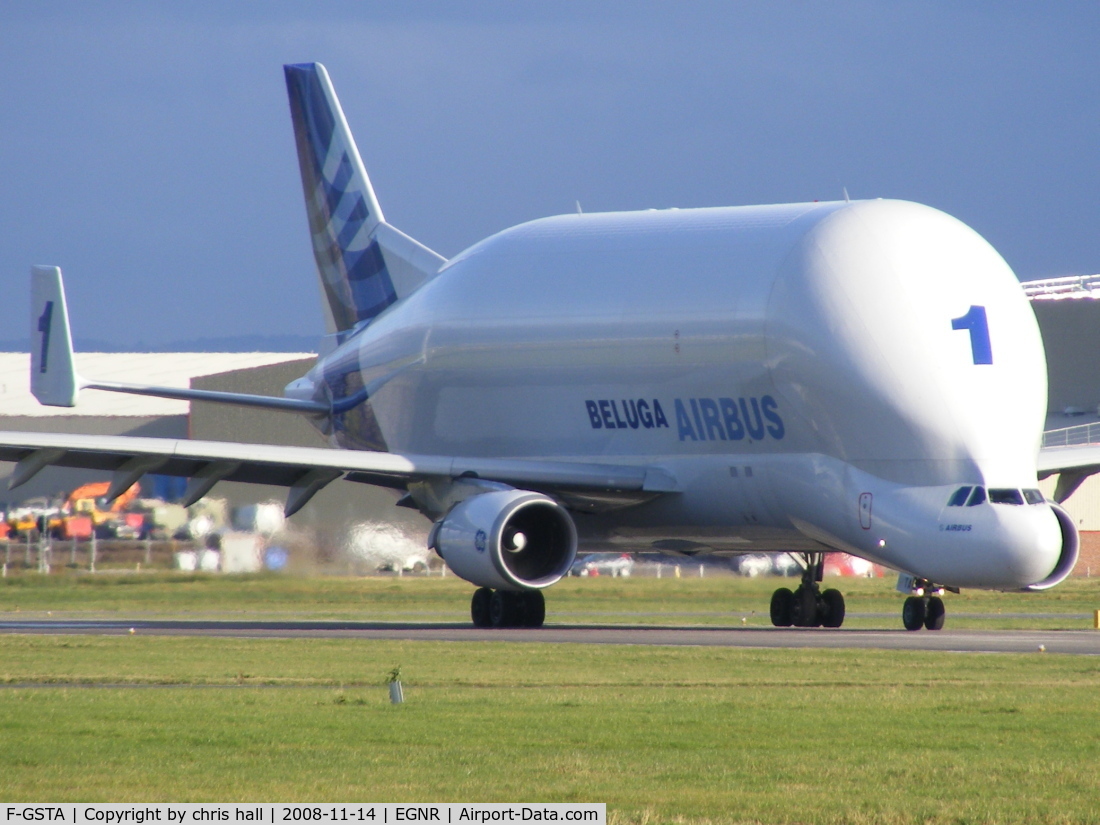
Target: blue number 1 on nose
976	323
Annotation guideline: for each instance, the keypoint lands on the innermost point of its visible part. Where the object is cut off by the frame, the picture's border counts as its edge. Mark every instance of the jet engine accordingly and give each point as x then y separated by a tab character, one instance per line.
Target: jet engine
1071	546
509	540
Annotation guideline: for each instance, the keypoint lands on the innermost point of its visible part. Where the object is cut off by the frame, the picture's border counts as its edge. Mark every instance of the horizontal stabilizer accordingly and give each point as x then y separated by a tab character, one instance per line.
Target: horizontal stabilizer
240	399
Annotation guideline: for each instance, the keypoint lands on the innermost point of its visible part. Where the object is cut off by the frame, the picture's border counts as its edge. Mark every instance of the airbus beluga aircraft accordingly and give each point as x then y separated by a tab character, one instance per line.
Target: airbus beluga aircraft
861	376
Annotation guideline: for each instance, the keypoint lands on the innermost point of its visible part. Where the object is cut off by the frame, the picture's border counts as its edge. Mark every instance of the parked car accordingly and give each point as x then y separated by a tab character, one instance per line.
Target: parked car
754	564
786	564
603	564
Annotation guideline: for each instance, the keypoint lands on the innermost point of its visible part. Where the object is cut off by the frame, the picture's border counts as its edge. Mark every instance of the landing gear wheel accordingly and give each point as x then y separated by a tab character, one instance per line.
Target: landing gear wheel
913	613
805	612
832	612
506	608
782	607
479	607
934	614
808	606
534	608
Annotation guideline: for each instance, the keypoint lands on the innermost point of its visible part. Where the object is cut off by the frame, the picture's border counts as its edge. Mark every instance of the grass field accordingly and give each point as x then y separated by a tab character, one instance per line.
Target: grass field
686	735
658	733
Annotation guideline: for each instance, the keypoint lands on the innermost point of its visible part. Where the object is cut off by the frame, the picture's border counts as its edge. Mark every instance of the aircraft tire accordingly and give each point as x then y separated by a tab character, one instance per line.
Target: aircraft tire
781	608
833	614
506	609
935	614
479	607
534	608
805	612
913	613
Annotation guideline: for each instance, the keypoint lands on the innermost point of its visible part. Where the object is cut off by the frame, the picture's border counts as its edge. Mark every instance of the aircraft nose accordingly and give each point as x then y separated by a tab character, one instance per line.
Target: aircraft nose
1029	541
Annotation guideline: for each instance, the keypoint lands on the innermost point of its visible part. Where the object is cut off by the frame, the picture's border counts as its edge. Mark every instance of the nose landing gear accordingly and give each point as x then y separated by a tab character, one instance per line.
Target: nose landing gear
808	605
925	607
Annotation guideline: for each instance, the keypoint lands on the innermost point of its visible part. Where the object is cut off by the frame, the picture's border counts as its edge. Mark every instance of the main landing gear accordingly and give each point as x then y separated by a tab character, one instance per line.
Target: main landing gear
925	607
808	605
507	608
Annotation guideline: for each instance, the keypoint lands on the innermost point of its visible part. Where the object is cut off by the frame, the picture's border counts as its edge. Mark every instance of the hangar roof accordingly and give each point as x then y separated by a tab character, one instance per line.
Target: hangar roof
1057	289
169	369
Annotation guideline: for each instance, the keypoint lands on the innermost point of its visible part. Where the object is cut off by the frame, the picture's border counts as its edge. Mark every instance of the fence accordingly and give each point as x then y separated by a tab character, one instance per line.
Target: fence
30	553
1072	436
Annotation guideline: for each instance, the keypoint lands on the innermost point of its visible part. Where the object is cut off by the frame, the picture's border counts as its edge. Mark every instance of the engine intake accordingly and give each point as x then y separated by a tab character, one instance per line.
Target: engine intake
508	540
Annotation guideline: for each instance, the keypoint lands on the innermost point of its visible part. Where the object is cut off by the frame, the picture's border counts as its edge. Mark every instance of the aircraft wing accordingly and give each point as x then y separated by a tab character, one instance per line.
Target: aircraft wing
1072	465
305	470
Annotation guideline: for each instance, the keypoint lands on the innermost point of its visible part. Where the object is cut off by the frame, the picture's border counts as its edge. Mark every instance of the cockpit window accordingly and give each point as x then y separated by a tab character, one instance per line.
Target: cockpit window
1033	496
958	498
977	497
1005	497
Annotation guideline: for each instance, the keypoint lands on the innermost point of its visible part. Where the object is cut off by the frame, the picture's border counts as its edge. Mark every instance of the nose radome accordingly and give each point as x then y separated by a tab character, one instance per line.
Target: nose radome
1029	540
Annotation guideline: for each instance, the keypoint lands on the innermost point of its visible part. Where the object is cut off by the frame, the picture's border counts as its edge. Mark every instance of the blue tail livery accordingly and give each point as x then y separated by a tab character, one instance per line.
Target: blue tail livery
364	264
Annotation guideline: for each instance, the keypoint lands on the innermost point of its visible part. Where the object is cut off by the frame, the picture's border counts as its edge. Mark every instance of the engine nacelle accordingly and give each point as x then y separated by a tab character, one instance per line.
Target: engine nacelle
508	540
1071	548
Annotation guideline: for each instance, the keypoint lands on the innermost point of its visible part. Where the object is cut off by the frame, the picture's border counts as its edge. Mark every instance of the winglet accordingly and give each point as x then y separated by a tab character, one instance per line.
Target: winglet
53	374
54	381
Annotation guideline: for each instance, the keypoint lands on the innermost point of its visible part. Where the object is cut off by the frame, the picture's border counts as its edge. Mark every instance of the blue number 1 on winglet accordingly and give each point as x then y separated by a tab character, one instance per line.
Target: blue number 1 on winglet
44	328
975	321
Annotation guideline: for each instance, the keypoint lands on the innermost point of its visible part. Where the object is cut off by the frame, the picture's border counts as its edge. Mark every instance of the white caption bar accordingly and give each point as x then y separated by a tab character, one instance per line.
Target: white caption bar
481	813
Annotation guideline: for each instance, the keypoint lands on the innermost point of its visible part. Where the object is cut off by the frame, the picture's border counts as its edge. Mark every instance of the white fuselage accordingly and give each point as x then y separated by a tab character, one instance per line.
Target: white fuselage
810	374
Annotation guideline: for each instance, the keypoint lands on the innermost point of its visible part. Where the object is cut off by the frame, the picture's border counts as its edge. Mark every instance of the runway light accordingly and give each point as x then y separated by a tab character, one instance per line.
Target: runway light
131	631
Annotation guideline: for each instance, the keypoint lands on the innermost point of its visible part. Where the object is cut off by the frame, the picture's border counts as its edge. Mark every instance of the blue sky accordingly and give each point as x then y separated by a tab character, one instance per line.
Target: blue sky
147	149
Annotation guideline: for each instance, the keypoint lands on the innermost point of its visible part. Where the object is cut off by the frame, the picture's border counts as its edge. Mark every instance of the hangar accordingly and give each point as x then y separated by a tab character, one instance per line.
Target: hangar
106	413
1068	312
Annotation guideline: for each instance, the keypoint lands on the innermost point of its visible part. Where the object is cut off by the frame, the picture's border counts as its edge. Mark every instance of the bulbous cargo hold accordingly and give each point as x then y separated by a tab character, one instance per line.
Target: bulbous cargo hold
835	311
885	348
904	342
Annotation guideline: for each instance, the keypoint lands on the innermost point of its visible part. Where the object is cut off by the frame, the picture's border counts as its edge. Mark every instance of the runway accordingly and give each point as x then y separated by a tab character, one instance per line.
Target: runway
1079	642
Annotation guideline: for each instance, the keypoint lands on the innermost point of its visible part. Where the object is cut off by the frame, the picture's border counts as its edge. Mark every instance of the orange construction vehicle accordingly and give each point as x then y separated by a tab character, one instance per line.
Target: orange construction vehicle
85	511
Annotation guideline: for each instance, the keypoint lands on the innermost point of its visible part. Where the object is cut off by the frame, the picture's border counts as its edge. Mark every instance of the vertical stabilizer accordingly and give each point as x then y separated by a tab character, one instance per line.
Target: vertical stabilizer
364	264
53	374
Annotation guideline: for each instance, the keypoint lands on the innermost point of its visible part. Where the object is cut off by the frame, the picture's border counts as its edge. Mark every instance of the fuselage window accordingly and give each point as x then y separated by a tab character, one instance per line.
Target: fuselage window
1033	496
1005	497
958	498
977	497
